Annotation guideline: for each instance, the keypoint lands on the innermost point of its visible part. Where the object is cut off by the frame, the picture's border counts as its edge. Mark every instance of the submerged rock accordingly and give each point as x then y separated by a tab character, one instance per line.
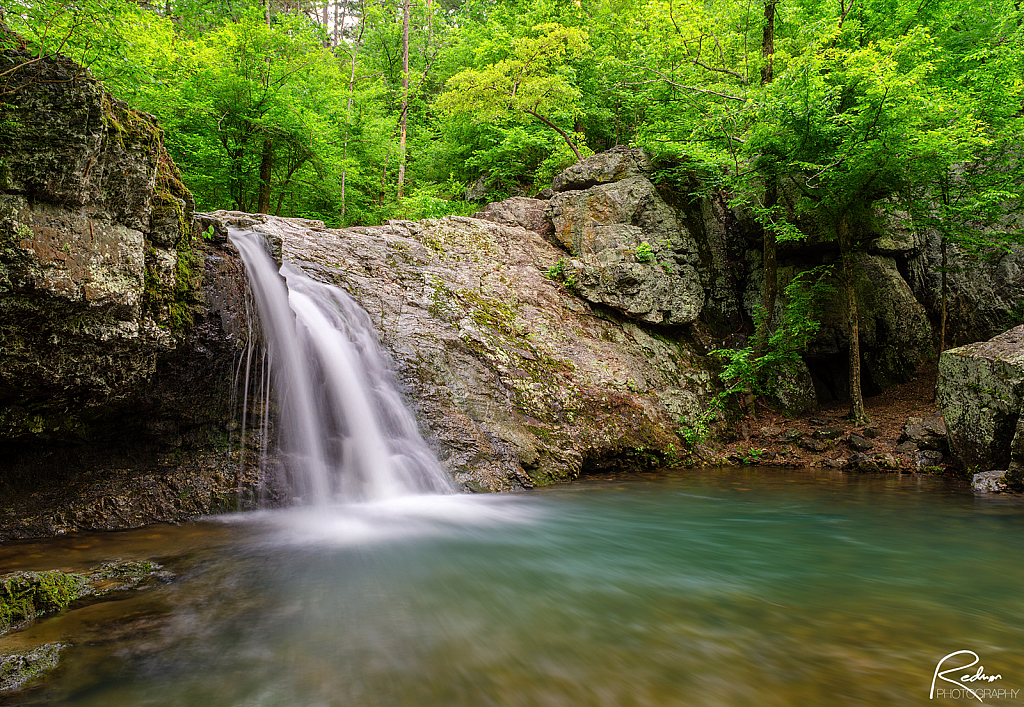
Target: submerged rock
871	462
19	669
989	482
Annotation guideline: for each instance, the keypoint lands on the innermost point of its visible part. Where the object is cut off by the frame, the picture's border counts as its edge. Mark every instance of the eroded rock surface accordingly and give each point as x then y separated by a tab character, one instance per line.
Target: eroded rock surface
516	380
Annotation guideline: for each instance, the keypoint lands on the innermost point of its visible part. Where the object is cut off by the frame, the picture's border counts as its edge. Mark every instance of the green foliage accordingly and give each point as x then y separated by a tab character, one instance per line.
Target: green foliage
871	104
744	372
532	82
560	272
644	253
696	429
24	595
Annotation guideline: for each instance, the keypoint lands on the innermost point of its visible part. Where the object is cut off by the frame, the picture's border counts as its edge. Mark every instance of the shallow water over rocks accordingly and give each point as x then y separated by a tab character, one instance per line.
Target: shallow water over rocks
724	587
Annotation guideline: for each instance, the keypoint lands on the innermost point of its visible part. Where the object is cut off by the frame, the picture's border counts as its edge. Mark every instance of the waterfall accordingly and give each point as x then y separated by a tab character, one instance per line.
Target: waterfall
345	433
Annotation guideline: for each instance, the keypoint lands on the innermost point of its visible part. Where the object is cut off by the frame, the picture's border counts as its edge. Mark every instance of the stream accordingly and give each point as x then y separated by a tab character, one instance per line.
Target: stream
709	587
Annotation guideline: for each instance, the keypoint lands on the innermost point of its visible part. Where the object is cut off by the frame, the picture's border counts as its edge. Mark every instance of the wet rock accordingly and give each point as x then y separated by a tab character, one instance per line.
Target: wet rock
980	390
859	444
905	448
24	596
515	380
829	433
519	211
21	669
925	433
120	323
989	482
834	463
871	462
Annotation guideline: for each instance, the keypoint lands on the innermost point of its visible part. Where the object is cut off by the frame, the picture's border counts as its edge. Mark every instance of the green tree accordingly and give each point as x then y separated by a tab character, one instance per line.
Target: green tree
533	81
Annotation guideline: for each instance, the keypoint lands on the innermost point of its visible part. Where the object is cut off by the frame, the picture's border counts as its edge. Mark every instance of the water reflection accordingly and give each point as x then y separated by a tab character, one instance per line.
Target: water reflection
734	587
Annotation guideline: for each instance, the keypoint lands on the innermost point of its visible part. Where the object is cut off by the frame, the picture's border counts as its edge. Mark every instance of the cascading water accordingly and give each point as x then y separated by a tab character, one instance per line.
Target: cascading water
346	435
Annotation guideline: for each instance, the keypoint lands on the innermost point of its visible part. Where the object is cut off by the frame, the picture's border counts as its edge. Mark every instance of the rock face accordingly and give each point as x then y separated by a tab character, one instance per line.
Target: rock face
984	292
516	380
630	250
980	391
119	322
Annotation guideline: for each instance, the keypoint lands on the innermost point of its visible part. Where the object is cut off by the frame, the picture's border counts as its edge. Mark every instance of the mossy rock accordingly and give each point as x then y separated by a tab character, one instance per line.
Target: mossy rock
21	668
25	595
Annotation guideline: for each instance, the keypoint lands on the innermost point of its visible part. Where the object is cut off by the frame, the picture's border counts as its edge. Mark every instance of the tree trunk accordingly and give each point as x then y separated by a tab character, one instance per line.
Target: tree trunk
942	328
768	43
857	412
405	96
348	108
326	24
770	265
266	173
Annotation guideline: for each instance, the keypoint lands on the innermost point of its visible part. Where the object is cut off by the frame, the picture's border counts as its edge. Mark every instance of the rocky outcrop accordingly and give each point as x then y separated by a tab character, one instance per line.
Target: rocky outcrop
618	163
119	321
980	391
516	380
630	250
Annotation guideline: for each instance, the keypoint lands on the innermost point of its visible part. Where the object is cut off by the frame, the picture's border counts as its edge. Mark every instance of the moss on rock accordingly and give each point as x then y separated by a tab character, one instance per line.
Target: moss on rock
26	595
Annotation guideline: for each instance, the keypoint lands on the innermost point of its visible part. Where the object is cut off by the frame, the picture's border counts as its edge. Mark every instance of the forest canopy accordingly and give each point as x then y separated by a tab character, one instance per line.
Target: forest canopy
354	111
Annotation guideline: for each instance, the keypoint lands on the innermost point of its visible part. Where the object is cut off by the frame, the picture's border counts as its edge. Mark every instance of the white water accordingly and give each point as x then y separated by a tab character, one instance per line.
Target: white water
345	433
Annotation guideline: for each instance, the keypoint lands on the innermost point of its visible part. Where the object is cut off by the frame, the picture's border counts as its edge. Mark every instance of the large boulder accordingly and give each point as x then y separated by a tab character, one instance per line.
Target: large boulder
630	251
516	380
980	391
119	322
895	334
620	162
